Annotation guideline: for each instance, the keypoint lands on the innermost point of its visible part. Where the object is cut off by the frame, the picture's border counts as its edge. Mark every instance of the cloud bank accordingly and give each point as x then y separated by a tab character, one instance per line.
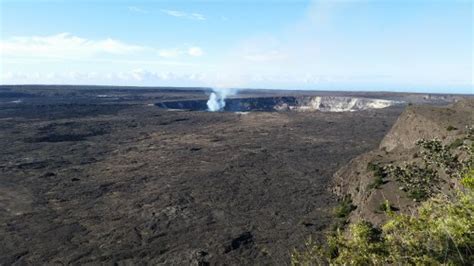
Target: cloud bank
67	46
64	45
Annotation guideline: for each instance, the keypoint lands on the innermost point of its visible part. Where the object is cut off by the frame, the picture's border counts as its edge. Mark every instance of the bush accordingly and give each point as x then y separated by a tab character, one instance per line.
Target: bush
470	132
341	250
456	144
378	181
435	154
451	128
379	174
440	233
386	207
344	208
419	182
371	166
468	180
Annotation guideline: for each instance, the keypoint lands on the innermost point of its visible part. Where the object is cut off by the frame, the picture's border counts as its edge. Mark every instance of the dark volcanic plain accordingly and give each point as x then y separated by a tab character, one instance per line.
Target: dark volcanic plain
94	175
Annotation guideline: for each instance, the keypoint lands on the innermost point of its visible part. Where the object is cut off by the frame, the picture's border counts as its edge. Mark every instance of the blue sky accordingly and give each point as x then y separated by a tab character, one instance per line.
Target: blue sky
341	45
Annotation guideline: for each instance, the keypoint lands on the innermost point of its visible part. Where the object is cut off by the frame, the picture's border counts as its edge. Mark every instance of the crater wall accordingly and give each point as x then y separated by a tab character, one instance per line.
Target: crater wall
290	103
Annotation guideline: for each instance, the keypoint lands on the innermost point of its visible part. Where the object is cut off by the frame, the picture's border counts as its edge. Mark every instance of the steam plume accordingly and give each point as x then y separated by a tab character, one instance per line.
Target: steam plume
216	100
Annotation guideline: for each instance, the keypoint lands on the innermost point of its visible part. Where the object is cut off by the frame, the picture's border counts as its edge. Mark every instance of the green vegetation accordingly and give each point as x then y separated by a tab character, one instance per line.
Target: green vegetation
419	182
451	128
341	213
379	174
344	208
378	181
341	250
470	133
371	166
386	207
456	144
438	232
437	155
468	180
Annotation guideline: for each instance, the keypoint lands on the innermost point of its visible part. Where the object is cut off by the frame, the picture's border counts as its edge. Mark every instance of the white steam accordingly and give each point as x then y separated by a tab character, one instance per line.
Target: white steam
215	102
230	76
217	98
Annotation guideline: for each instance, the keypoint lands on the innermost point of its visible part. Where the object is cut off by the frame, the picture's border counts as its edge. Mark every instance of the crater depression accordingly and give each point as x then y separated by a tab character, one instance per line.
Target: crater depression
285	103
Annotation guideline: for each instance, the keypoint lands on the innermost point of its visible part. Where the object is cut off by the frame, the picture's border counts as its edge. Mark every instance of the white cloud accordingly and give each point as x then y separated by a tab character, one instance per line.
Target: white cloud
173	13
168	53
64	45
137	9
67	47
195	51
180	14
198	16
265	56
136	76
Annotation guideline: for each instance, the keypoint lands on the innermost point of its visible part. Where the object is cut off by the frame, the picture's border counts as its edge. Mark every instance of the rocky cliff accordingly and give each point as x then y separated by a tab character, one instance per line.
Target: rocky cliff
340	104
361	179
428	122
287	103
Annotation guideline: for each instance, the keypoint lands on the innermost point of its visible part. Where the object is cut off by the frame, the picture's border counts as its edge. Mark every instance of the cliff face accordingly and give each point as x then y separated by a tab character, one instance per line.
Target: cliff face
340	104
287	103
357	178
428	122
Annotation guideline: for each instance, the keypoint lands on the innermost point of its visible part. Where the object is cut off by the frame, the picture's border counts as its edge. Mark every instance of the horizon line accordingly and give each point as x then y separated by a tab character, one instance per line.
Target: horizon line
415	91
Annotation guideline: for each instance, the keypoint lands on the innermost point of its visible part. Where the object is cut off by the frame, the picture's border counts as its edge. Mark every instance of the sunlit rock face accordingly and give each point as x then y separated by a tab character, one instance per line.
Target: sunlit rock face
339	104
285	103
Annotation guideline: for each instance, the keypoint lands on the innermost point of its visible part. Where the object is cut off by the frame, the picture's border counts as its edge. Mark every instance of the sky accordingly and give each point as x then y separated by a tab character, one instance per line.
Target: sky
397	45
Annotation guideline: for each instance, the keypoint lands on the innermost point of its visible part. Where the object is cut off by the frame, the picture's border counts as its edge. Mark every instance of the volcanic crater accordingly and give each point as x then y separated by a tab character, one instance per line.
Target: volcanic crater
285	103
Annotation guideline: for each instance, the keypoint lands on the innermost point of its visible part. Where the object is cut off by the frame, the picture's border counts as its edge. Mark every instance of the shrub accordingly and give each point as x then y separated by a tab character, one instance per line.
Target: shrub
439	233
435	154
379	174
386	207
470	132
468	180
371	166
341	250
419	182
422	181
456	144
378	181
344	208
451	128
